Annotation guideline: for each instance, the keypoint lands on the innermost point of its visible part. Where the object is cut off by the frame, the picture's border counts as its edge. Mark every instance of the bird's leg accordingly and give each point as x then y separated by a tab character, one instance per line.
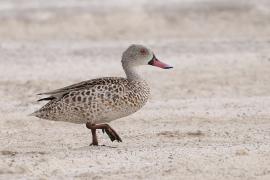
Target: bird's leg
94	138
109	131
105	128
94	134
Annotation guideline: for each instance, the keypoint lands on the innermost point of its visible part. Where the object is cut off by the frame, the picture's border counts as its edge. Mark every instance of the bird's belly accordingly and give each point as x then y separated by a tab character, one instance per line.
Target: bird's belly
79	115
108	116
119	109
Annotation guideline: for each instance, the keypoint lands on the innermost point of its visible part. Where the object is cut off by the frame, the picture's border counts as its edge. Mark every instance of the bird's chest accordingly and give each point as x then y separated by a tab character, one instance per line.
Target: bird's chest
135	99
130	102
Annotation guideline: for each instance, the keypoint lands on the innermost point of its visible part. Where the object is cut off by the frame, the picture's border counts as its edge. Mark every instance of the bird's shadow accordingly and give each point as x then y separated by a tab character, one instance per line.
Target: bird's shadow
106	146
94	147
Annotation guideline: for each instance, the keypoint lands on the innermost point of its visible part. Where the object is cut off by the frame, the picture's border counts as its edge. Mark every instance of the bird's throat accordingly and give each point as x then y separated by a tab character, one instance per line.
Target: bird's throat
131	72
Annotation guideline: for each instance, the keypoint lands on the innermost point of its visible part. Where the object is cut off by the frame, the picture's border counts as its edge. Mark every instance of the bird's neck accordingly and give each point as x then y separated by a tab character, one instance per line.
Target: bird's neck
131	72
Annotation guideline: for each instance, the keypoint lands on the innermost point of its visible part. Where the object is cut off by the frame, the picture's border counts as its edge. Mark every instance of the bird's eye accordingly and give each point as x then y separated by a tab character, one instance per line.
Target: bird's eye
143	51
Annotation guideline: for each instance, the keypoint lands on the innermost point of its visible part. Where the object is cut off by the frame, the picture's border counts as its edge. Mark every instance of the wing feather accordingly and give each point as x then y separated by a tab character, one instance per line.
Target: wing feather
59	93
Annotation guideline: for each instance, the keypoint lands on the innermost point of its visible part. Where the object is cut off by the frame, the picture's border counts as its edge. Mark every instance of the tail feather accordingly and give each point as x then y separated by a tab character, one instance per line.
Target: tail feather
47	98
33	114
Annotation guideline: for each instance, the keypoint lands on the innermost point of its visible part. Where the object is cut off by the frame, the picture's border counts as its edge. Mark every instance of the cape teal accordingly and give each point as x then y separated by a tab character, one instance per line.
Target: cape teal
98	101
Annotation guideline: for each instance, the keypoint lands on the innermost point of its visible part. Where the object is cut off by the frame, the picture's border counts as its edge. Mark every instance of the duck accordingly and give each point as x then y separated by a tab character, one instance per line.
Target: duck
97	102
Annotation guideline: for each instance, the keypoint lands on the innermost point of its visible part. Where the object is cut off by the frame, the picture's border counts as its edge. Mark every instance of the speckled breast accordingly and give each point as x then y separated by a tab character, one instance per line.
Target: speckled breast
133	99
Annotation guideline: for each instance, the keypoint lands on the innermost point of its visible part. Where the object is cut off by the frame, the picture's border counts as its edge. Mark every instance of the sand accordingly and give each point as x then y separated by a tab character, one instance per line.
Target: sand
208	118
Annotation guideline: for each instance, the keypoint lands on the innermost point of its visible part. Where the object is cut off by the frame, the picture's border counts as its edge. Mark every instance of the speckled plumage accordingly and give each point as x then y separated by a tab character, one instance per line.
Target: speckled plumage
102	100
96	101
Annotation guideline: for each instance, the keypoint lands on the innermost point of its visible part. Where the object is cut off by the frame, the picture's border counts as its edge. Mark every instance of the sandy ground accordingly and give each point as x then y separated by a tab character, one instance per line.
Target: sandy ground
208	118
